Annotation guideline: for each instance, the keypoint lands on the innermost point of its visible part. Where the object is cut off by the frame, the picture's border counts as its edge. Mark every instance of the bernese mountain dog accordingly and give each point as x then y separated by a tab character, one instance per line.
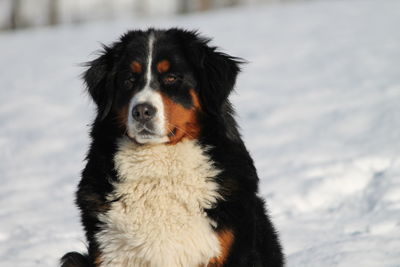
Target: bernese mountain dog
168	180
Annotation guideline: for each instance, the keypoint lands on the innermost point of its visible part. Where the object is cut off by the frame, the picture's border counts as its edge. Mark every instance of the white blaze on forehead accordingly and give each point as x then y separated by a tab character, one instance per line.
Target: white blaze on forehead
150	96
149	60
147	93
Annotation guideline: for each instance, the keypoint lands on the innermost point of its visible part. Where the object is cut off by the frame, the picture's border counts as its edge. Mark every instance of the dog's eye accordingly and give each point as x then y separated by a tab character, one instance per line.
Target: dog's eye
130	81
170	79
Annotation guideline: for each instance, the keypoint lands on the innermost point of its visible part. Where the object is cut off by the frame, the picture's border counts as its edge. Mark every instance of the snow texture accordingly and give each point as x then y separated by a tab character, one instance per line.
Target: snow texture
318	104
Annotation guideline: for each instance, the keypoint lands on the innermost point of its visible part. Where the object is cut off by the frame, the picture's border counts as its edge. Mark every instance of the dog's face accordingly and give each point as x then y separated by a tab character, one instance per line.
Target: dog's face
157	99
157	83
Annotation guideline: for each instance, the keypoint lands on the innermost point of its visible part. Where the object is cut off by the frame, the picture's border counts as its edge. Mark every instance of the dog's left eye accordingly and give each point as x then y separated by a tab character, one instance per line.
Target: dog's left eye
170	79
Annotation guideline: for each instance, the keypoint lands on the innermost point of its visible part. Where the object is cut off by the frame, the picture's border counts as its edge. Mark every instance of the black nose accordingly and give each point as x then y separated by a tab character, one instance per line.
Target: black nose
143	112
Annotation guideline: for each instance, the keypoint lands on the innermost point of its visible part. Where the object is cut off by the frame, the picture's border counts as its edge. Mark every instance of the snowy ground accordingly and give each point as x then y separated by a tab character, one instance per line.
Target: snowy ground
318	105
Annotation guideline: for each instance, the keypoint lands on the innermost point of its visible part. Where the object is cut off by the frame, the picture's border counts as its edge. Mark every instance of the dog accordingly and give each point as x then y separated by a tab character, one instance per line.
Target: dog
168	180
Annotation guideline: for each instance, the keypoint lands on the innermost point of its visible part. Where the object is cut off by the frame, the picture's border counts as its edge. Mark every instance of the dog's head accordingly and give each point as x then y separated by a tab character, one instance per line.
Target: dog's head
156	84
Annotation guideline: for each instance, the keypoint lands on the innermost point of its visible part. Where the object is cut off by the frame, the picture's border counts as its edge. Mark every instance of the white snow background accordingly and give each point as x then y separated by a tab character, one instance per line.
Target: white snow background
319	107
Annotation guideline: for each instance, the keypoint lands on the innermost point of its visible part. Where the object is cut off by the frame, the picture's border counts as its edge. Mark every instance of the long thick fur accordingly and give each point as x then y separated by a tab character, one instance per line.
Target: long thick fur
188	203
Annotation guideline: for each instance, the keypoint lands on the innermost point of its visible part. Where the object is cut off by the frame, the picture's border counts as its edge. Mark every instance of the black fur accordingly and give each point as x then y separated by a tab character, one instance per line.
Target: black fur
73	259
213	74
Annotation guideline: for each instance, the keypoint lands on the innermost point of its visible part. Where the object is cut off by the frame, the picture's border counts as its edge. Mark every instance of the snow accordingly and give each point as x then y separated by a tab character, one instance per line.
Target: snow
318	104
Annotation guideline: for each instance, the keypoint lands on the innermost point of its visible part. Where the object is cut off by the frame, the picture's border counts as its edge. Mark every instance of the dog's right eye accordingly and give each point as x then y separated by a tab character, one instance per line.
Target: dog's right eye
130	81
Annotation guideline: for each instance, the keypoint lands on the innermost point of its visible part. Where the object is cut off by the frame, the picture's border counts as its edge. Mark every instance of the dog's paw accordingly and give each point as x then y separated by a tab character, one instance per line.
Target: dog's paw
74	259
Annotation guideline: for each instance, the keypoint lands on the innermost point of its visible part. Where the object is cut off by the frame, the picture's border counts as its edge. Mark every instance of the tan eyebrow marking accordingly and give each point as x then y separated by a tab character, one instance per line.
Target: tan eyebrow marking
163	66
136	67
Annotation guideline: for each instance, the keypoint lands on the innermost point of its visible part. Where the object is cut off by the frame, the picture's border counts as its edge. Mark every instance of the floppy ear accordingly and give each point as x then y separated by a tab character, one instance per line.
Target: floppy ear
215	71
99	81
218	77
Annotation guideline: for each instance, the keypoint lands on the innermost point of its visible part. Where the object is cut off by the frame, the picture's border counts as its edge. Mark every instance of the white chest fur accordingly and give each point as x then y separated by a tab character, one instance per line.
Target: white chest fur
159	219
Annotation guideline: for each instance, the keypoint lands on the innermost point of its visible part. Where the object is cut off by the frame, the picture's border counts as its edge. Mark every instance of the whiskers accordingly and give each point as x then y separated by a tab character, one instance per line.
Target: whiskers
171	132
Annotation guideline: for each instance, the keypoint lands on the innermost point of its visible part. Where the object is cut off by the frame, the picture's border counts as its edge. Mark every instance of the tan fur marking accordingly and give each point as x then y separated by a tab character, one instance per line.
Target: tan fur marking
195	99
136	67
97	259
163	66
181	122
225	238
